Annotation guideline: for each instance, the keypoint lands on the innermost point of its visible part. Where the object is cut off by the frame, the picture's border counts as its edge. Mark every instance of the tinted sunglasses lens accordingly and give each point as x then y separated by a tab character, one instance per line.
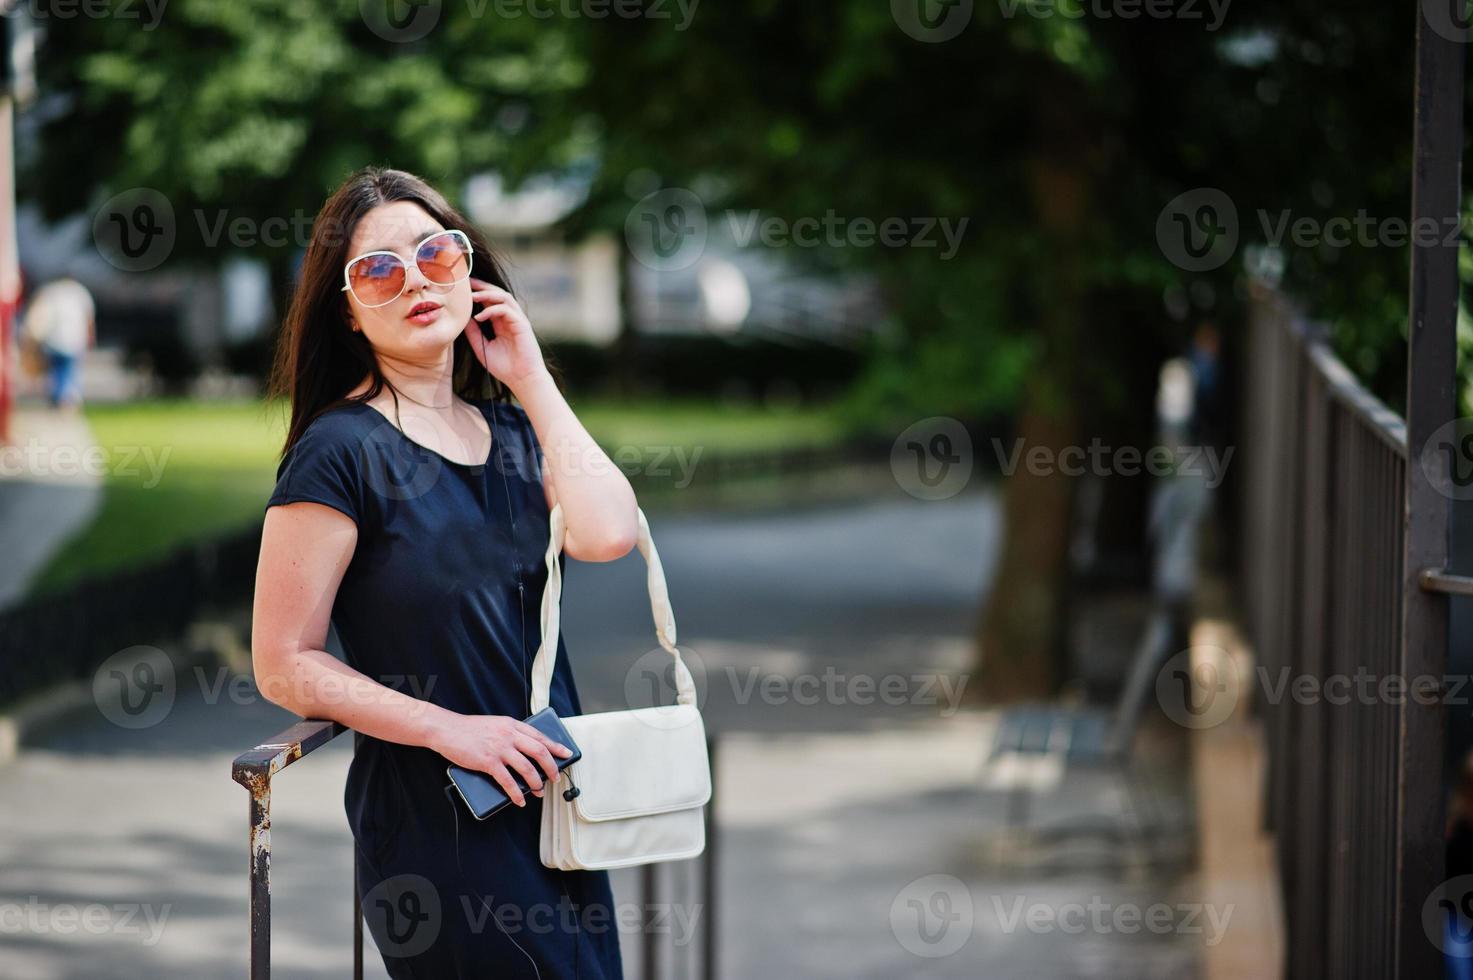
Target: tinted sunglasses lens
376	279
445	259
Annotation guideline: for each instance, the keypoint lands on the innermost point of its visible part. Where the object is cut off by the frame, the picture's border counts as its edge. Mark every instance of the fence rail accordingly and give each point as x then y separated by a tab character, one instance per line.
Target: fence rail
1323	584
65	635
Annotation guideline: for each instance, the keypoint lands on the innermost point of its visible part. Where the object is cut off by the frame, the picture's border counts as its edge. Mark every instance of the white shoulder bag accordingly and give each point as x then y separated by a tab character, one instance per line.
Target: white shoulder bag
638	794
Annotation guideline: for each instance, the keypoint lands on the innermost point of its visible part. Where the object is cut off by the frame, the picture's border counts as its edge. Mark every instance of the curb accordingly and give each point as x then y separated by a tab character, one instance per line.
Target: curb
208	643
40	711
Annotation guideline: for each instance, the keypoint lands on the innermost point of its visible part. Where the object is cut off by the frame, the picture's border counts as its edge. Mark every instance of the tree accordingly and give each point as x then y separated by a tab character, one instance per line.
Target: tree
245	116
1059	132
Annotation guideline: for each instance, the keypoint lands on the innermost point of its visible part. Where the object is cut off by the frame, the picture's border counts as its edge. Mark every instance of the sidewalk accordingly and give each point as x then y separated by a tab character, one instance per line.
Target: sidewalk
874	854
853	855
857	840
50	489
1239	867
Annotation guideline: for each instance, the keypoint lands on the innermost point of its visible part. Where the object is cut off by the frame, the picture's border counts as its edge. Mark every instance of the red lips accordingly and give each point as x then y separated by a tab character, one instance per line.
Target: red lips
423	308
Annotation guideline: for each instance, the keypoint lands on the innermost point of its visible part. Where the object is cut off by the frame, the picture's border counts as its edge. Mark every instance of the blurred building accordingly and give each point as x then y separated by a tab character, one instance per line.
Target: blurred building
176	318
571	289
176	321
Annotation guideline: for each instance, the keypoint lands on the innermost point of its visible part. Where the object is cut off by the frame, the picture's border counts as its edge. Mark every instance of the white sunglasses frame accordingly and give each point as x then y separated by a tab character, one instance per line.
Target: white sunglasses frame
470	259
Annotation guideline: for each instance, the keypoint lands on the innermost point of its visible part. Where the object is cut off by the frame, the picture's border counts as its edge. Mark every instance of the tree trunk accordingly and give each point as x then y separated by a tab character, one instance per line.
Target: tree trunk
1021	631
626	345
1019	634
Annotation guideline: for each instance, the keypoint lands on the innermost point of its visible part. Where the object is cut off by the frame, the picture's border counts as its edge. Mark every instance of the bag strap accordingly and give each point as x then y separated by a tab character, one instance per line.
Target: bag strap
552	596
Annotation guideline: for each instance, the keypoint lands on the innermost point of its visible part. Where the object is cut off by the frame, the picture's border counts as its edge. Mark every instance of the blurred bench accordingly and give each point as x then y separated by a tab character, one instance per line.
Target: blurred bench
1034	746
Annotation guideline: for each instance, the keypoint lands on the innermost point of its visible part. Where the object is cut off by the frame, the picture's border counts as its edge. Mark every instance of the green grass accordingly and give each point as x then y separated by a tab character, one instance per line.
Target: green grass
178	470
213	464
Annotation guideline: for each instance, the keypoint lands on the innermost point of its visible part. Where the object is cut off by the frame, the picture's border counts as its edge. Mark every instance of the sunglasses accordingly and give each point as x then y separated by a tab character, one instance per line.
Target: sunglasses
378	278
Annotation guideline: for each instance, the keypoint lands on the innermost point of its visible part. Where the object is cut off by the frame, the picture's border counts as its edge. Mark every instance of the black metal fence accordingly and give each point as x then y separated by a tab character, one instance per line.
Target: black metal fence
1351	563
1323	589
64	635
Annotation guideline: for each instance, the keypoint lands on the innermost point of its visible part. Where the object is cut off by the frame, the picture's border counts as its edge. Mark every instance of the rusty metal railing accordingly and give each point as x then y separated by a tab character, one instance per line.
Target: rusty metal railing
254	770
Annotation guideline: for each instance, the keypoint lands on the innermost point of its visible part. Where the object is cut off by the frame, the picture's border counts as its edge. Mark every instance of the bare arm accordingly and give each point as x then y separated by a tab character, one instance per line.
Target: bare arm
599	509
598	502
305	549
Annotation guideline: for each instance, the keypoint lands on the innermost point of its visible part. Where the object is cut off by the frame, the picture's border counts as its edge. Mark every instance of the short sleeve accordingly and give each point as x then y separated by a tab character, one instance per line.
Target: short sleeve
324	467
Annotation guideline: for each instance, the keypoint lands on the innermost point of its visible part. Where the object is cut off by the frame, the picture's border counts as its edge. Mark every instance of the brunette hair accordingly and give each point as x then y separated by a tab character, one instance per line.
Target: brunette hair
319	358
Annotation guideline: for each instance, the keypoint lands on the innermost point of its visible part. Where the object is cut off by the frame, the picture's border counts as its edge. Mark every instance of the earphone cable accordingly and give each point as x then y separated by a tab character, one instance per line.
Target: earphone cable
526	666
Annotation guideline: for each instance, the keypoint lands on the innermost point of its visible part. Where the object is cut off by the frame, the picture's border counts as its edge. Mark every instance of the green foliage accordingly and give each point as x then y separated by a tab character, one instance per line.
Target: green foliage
946	348
799	110
258	110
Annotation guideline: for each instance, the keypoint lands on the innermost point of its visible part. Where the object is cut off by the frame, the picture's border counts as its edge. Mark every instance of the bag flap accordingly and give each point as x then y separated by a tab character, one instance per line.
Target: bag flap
641	761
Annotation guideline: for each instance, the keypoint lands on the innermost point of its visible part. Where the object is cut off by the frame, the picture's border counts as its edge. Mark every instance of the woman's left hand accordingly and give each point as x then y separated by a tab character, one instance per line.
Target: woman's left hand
513	356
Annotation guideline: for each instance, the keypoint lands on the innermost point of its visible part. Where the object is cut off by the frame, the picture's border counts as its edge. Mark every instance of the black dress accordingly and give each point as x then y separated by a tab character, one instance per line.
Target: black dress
441	600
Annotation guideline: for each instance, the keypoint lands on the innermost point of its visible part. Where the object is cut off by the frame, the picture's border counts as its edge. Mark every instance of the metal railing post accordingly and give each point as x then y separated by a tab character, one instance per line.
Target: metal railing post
260	870
1437	150
357	922
708	872
254	770
649	954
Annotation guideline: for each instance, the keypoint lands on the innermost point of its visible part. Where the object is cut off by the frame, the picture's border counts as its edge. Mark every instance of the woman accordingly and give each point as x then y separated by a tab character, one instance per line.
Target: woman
420	529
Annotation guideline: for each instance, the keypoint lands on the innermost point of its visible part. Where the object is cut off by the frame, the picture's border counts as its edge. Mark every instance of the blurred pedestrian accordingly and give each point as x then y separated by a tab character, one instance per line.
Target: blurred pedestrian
61	321
1206	361
1179	499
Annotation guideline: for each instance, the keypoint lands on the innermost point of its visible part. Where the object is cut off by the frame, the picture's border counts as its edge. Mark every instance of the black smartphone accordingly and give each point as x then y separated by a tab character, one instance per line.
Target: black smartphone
484	795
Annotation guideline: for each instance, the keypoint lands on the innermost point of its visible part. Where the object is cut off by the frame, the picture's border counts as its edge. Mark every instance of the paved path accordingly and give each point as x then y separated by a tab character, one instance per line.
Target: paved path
50	489
835	814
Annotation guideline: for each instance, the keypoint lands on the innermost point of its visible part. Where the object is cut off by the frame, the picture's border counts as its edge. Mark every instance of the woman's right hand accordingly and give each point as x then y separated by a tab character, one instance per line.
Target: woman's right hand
492	743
